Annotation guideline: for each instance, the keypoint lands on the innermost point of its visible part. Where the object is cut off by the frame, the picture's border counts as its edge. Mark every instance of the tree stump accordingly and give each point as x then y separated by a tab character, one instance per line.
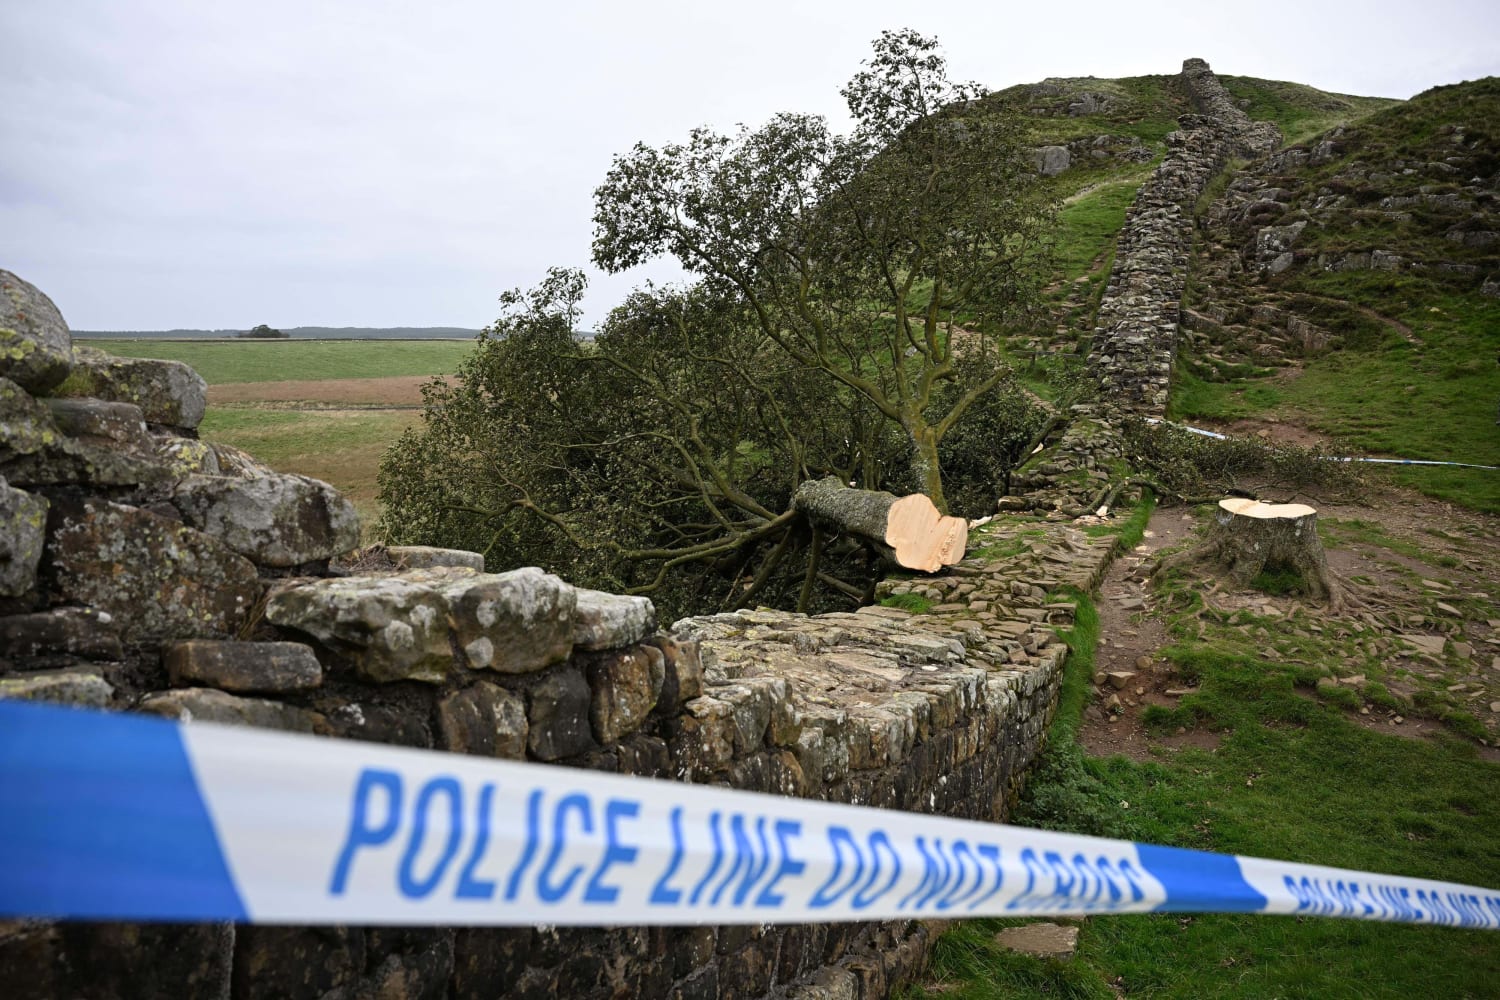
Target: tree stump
1249	537
908	531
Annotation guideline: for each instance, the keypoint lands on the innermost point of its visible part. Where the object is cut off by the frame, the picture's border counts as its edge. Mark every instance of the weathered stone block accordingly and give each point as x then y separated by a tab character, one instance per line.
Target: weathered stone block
26	425
61	687
512	623
209	705
558	714
393	628
168	392
36	349
23	524
35	451
275	520
625	687
76	631
428	557
611	621
683	677
156	577
701	739
485	720
99	418
750	710
243	666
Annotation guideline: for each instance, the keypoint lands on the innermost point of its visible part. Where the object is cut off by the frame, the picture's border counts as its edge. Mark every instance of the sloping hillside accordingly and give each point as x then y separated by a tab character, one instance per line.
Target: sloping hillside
1351	285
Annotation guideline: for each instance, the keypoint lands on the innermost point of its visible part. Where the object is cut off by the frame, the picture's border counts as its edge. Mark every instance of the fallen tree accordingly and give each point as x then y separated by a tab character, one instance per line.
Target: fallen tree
909	531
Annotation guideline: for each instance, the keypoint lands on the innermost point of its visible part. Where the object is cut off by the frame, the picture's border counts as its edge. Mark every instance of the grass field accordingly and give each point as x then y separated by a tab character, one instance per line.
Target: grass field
327	409
224	361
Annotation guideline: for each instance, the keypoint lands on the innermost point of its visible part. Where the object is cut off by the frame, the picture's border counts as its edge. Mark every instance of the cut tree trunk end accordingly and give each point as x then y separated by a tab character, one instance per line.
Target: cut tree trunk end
1249	538
909	530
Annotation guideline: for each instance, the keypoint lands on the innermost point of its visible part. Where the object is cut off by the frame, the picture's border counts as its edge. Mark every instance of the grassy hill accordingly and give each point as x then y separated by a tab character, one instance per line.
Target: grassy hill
1378	325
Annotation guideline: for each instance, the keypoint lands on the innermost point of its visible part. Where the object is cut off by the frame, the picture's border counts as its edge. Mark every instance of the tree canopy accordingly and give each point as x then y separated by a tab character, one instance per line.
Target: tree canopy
846	292
878	258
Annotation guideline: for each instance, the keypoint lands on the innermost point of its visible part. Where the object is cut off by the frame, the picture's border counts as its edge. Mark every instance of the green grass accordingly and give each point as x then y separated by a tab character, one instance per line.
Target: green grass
1088	224
221	362
1432	399
915	603
1301	112
341	447
1292	779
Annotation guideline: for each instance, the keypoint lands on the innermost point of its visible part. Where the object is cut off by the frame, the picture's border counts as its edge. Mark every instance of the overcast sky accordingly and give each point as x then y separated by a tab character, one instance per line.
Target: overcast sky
186	163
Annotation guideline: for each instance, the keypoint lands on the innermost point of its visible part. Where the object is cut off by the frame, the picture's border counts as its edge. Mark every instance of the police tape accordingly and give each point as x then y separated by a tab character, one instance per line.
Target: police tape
121	817
1333	458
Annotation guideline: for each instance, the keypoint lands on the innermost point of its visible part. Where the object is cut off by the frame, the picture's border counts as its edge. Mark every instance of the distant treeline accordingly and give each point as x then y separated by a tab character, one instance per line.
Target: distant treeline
300	332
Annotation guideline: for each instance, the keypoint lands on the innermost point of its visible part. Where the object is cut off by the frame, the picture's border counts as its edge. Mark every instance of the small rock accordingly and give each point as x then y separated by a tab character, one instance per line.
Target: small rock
1495	706
1132	604
485	720
1448	609
23	523
610	621
625	686
393	628
1463	650
1045	940
1143	663
243	666
1118	679
208	705
62	687
1432	644
558	715
512	623
1179	692
77	631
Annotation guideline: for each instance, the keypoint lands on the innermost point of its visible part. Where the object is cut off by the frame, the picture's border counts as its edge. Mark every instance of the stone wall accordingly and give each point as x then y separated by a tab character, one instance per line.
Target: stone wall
143	570
1135	337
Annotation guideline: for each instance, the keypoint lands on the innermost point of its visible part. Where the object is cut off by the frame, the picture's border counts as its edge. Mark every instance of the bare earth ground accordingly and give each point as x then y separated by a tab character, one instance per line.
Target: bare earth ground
395	390
1422	566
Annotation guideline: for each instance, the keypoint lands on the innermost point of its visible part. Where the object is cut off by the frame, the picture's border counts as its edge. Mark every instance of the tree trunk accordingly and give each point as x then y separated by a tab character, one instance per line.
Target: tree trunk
1248	537
928	467
909	531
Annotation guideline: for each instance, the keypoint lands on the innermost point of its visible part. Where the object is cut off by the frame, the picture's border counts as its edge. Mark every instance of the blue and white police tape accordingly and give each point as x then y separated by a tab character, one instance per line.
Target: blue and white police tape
107	816
1334	458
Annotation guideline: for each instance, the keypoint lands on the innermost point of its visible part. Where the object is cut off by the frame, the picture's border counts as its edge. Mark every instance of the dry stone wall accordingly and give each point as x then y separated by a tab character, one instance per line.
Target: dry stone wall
143	570
1135	338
